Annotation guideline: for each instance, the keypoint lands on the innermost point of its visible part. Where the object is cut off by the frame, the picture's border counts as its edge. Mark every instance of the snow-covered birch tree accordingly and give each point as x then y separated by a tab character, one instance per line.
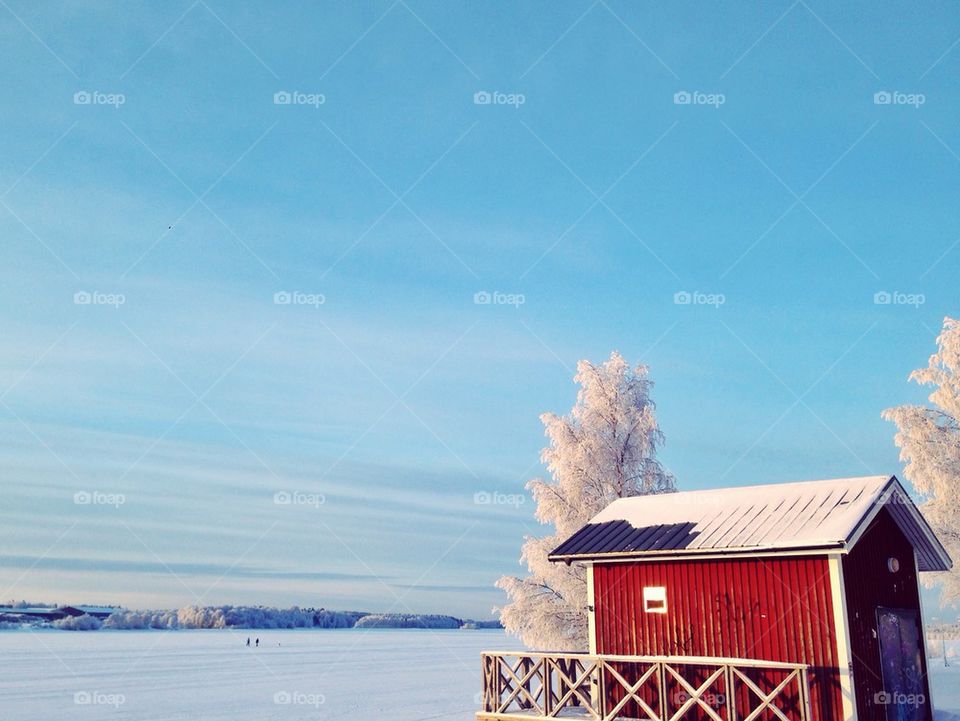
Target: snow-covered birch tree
929	441
605	449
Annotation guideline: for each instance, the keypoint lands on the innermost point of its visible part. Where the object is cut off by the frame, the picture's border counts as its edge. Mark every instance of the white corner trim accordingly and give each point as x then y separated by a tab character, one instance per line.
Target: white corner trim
923	628
842	627
591	611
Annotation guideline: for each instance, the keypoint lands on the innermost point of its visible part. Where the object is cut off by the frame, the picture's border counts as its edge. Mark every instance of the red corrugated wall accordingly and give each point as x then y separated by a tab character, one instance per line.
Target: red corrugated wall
773	609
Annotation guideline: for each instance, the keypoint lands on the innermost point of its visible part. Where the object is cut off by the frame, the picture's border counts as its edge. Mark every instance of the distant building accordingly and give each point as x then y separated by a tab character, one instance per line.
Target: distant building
100	612
46	614
42	613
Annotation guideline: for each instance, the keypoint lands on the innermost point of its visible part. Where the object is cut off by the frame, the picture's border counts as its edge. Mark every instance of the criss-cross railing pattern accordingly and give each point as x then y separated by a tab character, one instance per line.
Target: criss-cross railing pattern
645	688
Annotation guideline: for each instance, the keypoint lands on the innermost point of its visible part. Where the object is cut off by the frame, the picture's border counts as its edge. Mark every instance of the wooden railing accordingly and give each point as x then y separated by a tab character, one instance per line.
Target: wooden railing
650	688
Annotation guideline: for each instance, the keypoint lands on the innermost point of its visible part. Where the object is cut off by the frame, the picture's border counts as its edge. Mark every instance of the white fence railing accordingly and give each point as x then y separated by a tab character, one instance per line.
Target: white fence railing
650	688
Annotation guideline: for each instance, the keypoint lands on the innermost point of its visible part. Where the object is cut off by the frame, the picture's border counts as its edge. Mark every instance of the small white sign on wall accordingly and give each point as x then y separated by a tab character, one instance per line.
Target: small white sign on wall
655	599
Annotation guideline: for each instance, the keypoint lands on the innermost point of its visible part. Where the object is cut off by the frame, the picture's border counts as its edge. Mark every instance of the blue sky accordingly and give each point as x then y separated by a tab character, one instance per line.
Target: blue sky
182	198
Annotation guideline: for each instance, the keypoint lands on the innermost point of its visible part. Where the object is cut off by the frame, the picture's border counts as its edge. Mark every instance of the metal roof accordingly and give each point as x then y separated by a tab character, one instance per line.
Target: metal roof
781	517
97	609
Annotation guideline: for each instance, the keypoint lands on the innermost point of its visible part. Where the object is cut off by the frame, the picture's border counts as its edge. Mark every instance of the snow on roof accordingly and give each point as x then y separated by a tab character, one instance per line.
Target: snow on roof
826	514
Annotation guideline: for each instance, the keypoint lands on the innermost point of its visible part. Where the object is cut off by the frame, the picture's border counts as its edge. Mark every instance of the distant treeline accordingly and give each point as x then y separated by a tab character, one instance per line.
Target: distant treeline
252	617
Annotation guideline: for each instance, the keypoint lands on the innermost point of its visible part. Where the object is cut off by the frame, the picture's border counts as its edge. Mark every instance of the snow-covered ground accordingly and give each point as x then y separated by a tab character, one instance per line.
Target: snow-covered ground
944	680
210	675
190	675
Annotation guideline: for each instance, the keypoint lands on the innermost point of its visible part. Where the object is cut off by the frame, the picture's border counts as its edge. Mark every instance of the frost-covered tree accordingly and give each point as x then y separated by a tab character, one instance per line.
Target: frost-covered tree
605	449
929	441
408	620
77	623
233	617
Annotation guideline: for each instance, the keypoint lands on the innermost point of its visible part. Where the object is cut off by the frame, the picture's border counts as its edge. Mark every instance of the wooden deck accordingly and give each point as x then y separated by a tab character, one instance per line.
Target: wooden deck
524	686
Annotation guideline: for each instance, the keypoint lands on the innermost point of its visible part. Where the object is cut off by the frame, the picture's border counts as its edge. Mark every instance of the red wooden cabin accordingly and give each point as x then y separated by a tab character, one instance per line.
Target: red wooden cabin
786	602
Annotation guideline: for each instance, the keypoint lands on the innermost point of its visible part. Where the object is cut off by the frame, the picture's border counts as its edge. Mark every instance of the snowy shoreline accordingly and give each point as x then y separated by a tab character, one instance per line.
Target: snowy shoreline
78	618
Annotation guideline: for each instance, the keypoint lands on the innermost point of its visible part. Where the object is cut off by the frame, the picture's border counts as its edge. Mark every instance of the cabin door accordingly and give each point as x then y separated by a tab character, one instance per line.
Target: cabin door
901	661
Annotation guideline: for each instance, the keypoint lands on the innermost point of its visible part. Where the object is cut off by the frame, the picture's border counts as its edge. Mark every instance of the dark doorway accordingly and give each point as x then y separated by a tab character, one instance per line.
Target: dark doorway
904	695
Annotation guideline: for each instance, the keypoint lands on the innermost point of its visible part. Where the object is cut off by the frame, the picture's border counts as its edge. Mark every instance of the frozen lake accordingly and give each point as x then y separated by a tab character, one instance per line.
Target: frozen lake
945	681
403	675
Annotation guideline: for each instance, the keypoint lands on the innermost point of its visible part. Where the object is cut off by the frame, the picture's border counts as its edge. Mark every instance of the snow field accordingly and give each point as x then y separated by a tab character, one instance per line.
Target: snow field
210	675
